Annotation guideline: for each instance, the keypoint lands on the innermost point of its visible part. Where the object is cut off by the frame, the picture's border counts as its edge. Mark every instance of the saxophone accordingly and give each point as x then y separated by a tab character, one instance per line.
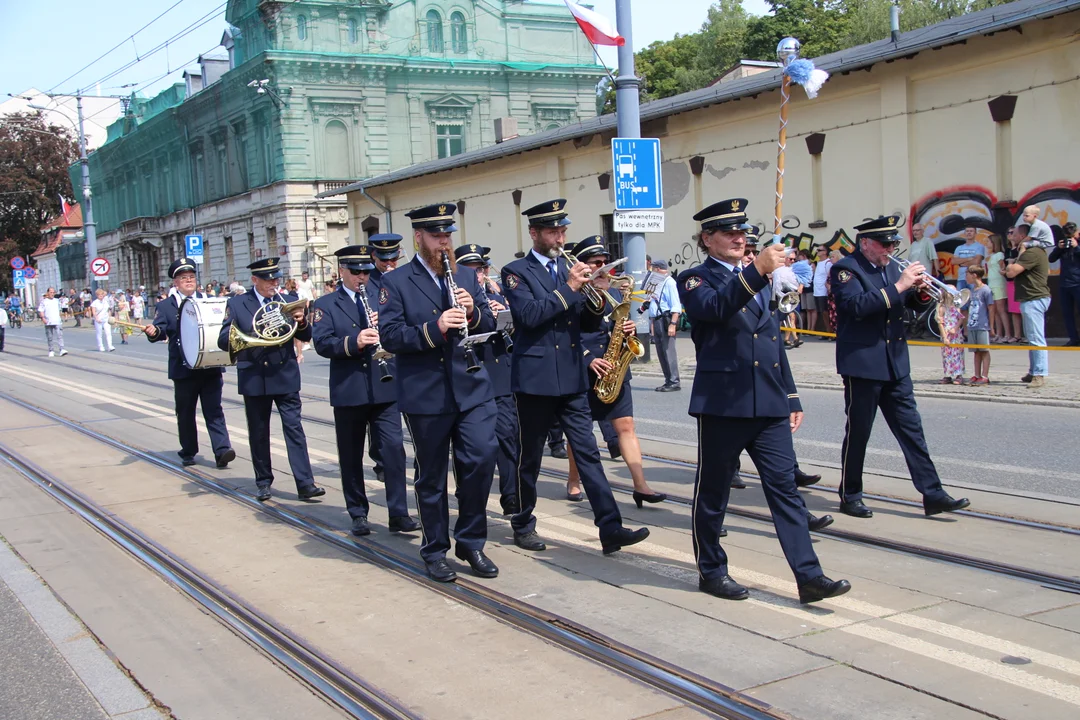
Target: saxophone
622	348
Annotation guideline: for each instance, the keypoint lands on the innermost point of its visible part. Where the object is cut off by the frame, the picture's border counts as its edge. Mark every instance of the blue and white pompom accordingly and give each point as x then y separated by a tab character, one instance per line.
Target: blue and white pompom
803	72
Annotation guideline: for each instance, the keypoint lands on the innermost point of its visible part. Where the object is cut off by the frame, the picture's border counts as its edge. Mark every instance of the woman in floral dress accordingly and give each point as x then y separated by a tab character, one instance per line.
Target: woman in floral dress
951	321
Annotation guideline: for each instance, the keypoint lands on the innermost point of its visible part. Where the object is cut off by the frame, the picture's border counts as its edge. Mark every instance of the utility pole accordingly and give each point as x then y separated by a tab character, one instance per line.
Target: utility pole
89	228
627	101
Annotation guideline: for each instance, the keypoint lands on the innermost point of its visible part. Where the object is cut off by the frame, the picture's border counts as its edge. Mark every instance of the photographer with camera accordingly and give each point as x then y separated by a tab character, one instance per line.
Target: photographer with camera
1066	251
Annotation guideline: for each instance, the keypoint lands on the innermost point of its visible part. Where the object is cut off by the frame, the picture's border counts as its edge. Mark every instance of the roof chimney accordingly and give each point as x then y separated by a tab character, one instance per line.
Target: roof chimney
505	129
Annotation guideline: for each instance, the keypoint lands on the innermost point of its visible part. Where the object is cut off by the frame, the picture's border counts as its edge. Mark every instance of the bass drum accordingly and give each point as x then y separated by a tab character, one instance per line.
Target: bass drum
200	324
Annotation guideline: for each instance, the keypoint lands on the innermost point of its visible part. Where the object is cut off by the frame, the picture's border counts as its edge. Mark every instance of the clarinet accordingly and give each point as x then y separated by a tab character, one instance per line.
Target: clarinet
379	354
508	342
471	363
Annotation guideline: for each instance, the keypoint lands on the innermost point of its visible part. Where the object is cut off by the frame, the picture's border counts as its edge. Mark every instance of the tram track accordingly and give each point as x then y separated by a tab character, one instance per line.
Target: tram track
693	689
1046	579
327	678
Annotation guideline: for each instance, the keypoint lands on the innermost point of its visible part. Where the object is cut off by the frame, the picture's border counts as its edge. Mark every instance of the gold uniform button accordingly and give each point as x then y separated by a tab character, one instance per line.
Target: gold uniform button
887	322
572	345
886	342
556	347
266	364
755	363
434	312
774	338
776	365
755	336
744	309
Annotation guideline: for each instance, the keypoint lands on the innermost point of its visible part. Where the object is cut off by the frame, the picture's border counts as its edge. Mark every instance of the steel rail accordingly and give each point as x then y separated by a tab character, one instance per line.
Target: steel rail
325	676
692	688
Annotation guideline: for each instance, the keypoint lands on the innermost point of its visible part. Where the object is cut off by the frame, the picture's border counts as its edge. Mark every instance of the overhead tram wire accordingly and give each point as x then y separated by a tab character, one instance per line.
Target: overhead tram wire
119	45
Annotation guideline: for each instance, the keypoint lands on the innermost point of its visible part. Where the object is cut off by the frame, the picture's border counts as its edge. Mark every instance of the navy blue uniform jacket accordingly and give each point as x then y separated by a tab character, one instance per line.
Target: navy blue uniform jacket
871	339
497	360
431	375
549	357
742	367
167	322
354	375
262	370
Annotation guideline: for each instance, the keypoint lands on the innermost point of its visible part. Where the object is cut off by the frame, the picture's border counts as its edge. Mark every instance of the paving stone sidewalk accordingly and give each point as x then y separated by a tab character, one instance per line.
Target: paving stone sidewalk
814	366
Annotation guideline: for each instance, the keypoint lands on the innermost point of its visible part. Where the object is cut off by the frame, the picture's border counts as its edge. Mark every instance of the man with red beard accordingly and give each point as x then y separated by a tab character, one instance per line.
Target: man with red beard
423	314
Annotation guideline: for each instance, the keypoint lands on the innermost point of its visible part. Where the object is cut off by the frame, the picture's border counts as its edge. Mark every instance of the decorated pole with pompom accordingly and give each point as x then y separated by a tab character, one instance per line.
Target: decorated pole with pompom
801	72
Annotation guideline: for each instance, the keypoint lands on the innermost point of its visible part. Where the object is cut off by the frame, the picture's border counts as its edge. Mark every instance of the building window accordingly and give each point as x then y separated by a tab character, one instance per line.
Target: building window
230	264
223	170
354	31
271	242
450	140
199	179
458	37
301	27
267	150
434	31
336	150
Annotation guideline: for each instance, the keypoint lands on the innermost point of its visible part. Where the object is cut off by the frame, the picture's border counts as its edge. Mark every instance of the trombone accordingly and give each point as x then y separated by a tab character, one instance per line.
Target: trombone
936	289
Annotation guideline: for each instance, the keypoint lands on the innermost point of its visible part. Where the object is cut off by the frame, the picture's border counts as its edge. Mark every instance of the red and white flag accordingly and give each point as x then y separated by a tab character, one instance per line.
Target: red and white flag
596	27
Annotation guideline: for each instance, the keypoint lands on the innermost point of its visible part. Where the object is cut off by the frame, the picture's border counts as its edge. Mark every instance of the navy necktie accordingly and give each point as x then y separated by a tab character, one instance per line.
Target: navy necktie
360	307
553	271
448	302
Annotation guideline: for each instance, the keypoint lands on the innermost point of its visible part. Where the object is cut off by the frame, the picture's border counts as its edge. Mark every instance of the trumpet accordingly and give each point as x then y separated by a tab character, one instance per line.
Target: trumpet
472	365
937	289
379	353
592	295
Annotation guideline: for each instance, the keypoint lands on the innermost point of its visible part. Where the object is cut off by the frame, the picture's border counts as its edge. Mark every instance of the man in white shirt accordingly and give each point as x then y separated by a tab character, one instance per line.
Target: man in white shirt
1040	234
923	250
3	326
305	289
664	311
49	311
99	310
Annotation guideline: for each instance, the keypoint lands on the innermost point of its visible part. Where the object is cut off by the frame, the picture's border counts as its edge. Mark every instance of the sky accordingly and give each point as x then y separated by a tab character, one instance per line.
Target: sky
32	54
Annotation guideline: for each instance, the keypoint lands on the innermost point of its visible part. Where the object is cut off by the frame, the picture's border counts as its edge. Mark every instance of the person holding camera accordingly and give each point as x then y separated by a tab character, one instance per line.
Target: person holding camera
1030	273
1067	252
664	311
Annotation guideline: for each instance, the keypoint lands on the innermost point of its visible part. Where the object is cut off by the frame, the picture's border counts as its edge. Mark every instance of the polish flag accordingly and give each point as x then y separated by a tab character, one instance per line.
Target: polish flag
596	27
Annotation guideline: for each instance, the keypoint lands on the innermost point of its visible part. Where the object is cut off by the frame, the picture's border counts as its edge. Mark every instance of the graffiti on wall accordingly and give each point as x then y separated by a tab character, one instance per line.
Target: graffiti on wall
945	214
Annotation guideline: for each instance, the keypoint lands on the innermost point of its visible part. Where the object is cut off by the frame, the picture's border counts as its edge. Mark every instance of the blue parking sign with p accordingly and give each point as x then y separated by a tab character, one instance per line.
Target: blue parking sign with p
194	247
18	279
636	167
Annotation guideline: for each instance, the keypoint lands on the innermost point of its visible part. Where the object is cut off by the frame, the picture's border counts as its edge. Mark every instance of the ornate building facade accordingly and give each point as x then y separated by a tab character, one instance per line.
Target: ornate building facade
308	96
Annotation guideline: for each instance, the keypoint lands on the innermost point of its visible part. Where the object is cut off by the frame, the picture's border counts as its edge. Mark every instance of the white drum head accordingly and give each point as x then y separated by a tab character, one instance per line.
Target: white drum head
190	337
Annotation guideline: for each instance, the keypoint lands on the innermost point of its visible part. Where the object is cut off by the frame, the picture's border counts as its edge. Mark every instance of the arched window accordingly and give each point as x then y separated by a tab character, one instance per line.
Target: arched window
354	32
434	31
301	27
336	150
458	37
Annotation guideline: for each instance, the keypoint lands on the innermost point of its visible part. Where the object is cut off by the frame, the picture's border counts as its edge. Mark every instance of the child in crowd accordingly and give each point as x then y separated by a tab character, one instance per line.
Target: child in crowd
951	322
978	323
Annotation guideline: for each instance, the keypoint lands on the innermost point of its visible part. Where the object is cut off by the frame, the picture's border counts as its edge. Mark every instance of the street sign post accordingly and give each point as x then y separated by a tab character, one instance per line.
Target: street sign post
193	246
17	263
18	279
100	267
636	166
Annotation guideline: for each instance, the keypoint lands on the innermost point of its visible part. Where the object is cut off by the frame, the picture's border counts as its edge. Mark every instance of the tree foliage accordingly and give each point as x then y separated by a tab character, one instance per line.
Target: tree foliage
34	161
729	34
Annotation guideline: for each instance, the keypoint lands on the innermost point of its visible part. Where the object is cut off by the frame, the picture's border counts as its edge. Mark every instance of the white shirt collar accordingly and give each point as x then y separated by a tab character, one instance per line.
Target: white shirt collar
544	260
727	265
432	273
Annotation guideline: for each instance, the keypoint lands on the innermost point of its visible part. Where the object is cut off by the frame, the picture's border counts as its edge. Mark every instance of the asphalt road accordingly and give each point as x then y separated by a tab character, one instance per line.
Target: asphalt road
1025	448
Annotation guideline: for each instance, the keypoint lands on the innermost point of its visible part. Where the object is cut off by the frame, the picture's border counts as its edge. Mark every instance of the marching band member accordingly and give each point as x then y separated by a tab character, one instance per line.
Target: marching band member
620	413
269	376
744	397
549	374
385	251
497	362
872	356
422	320
190	387
342	330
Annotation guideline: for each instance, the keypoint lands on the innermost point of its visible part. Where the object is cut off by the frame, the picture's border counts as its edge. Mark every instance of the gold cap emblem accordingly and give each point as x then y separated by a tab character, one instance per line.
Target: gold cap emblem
735	204
555	205
442	209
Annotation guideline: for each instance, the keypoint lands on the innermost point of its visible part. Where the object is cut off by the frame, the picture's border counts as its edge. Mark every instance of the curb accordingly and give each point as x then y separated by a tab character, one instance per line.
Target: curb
937	394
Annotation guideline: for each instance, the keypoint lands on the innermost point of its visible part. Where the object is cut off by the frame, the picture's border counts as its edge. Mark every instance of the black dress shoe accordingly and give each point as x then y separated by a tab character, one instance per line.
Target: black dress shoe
360	527
262	493
440	571
225	458
723	532
613	450
648	497
187	460
737	483
820	523
945	504
309	492
510	505
724	588
403	524
575	497
821	588
478	561
805	480
669	388
623	537
380	475
559	451
855	508
530	541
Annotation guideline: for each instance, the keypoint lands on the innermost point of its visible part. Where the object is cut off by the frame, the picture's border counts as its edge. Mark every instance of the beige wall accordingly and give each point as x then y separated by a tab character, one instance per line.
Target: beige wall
894	136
